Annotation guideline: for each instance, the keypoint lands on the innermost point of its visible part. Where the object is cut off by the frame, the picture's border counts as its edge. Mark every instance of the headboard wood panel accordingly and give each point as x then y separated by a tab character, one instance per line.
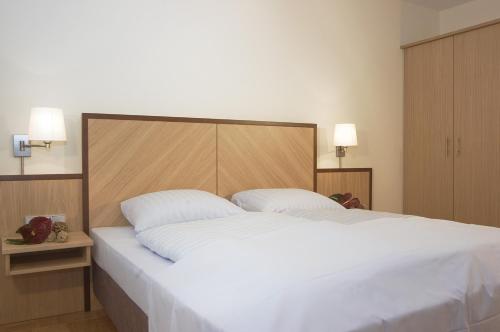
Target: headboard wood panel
128	155
127	158
251	157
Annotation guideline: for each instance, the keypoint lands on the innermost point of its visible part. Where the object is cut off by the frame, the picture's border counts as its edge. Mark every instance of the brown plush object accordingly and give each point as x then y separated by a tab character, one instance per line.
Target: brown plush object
62	236
59	226
59	232
52	237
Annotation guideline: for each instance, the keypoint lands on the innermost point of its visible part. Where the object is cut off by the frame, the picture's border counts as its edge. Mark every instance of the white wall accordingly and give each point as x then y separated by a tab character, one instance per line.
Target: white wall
417	22
321	61
468	14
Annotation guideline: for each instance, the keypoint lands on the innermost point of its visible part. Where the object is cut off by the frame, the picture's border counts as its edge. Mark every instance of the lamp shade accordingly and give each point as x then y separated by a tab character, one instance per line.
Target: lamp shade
345	135
47	124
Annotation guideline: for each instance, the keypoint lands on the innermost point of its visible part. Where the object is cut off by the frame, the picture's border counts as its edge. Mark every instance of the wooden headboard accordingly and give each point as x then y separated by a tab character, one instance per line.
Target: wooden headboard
128	155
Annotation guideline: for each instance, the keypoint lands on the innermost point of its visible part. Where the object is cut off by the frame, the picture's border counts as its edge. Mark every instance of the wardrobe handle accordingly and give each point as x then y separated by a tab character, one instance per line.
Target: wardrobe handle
459	147
447	148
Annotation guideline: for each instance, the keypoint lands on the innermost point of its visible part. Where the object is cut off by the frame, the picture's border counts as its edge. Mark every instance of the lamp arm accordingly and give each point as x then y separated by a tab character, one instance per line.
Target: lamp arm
23	146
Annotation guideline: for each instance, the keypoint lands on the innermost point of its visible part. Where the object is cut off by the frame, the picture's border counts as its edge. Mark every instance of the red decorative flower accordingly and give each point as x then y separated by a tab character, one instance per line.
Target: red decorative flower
36	231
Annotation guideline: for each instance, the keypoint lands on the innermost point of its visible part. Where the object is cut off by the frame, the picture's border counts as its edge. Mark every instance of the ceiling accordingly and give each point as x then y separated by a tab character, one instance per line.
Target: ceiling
438	4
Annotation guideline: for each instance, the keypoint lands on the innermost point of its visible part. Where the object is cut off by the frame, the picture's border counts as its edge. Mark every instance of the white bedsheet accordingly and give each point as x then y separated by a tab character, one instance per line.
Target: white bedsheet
395	274
343	216
117	251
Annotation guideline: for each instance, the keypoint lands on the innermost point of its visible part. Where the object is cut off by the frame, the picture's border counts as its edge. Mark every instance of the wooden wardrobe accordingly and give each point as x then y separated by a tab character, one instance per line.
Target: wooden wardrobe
452	127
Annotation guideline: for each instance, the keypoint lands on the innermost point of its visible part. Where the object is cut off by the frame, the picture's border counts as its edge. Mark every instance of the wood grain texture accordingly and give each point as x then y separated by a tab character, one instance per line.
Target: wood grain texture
157	118
47	256
31	177
428	130
40	295
127	158
250	157
356	182
96	321
21	198
48	293
477	126
44	261
75	240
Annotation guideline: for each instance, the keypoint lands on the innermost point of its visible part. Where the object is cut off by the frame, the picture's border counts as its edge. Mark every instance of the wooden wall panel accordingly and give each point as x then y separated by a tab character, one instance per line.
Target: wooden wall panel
21	198
127	158
251	156
357	182
428	130
477	126
42	294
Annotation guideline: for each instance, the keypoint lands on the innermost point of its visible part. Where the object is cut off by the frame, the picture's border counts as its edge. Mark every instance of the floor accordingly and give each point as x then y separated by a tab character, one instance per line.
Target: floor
95	321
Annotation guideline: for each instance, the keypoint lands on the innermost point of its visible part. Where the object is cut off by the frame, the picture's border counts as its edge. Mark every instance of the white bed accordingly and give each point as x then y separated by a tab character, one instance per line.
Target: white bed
365	272
387	274
131	265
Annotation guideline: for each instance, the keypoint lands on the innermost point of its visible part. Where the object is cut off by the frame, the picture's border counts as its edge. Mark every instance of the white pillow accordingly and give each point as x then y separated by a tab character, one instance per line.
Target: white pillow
282	200
175	206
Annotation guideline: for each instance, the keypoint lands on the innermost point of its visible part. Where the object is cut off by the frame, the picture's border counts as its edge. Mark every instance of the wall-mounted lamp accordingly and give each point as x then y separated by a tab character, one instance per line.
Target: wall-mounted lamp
345	135
46	125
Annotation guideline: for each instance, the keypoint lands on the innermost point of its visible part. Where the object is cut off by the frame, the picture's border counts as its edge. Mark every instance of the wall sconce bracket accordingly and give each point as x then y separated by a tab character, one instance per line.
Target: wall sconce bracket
340	151
21	146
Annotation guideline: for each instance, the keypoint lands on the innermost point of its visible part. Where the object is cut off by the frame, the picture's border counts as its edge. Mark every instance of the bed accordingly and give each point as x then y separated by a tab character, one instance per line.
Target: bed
226	156
258	283
128	155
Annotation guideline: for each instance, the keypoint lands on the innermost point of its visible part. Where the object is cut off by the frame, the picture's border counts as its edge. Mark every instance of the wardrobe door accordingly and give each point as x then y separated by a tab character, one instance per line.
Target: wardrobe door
477	126
428	129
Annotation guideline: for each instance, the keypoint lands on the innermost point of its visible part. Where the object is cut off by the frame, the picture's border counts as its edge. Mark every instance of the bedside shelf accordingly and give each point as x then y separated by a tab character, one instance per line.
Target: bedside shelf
47	256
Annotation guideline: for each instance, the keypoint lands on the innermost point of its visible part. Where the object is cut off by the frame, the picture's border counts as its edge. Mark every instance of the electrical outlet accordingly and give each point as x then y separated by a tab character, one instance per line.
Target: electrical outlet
58	217
53	217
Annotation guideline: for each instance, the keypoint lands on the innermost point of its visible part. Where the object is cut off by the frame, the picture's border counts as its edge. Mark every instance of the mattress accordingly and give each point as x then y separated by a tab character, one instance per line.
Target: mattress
131	265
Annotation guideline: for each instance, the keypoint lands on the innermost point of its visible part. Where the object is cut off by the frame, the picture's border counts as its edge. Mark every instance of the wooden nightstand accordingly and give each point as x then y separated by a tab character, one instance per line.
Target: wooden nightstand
357	181
47	256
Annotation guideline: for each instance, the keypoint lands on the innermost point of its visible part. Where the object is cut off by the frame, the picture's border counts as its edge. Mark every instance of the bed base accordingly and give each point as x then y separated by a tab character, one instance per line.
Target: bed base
123	312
